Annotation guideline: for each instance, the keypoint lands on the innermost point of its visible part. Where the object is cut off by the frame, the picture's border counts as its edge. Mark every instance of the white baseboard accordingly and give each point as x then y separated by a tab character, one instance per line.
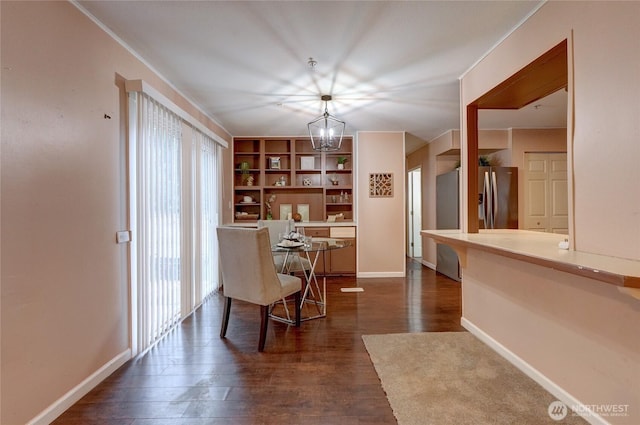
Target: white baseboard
531	372
381	274
428	264
49	414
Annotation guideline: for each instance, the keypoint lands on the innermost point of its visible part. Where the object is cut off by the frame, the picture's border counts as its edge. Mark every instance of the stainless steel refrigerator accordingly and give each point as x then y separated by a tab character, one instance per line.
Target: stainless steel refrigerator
497	208
498	197
448	217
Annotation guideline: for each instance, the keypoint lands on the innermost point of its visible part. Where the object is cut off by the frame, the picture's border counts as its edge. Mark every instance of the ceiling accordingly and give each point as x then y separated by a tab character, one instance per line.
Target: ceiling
389	65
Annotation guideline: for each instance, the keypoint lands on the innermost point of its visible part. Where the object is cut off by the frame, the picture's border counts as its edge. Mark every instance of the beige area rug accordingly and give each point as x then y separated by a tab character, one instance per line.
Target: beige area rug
441	378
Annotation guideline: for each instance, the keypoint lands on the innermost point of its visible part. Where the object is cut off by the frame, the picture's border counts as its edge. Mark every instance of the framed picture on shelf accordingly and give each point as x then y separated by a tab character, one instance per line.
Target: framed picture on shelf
285	211
303	210
274	162
307	163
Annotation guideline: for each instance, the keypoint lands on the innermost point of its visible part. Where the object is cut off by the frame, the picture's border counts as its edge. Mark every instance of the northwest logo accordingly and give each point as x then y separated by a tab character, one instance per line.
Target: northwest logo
557	410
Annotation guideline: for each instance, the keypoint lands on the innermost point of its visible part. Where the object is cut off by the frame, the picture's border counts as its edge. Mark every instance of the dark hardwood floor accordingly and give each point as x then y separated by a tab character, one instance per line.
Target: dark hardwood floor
317	374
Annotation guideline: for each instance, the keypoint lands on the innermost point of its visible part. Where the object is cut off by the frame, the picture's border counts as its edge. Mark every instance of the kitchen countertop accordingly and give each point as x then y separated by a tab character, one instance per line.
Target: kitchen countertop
542	249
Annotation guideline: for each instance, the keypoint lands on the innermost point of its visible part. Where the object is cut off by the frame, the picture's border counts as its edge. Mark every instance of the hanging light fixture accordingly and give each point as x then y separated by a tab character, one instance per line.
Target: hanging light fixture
326	131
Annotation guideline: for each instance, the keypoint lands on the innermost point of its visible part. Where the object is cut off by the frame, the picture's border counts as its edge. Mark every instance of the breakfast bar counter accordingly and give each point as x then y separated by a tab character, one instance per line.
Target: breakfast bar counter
543	249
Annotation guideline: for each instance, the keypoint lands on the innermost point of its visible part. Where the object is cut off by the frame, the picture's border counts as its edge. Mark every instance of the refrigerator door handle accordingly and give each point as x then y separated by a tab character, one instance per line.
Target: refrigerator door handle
486	202
494	191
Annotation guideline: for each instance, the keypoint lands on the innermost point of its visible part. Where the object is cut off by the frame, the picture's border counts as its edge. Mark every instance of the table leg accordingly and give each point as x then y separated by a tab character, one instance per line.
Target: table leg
311	283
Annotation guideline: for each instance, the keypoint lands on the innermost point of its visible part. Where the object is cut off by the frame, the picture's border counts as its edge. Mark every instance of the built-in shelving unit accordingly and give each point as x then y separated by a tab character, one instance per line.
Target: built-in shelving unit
274	171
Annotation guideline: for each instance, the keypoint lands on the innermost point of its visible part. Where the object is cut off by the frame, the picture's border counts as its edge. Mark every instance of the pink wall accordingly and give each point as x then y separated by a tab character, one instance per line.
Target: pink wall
578	333
381	221
570	329
65	306
604	112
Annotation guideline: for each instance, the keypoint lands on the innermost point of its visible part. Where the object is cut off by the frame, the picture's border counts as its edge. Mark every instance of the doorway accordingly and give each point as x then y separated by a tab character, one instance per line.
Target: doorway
414	213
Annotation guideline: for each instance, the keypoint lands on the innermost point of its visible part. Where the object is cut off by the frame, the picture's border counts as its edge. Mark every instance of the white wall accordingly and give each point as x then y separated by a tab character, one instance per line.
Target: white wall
65	306
381	221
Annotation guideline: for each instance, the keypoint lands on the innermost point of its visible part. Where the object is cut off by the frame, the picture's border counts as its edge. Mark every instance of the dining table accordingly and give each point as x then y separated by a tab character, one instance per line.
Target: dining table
314	293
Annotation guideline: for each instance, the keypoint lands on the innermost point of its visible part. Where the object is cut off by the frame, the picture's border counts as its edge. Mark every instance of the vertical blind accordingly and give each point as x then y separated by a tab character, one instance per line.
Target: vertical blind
208	210
175	187
158	223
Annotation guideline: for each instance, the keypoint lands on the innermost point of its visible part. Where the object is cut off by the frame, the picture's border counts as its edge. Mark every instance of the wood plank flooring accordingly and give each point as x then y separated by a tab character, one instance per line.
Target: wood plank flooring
317	374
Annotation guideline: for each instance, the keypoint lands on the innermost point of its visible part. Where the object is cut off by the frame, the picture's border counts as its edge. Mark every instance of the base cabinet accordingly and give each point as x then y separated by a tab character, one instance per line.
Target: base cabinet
338	262
343	261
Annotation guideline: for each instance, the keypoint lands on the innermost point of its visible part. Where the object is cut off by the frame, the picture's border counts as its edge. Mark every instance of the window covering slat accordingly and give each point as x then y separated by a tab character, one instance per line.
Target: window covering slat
158	222
208	195
175	191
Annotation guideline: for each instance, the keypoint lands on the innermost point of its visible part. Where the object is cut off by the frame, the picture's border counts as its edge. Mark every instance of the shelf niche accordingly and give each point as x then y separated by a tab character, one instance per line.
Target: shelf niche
296	174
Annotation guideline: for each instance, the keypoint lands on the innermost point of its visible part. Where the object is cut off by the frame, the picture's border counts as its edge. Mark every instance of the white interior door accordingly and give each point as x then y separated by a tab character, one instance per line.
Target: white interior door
414	212
546	196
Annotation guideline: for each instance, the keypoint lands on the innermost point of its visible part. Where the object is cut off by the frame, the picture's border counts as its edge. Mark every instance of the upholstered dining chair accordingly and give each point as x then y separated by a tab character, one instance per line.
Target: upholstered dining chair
249	274
295	263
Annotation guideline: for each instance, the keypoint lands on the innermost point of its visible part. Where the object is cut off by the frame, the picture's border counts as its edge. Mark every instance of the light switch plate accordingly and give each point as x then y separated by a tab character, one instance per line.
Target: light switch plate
123	236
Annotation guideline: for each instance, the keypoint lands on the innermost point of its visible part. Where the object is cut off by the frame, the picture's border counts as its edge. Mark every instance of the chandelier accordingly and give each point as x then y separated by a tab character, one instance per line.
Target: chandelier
326	131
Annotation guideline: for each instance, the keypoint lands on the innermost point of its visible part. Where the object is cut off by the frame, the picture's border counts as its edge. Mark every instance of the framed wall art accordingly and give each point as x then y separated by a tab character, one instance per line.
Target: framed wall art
381	185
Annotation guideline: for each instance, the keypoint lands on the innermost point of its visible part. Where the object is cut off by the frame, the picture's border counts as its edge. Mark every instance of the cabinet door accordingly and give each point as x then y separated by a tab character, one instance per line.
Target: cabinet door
316	232
343	260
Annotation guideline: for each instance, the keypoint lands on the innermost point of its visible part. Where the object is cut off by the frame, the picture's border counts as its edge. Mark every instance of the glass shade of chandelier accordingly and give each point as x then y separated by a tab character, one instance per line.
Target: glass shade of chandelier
326	131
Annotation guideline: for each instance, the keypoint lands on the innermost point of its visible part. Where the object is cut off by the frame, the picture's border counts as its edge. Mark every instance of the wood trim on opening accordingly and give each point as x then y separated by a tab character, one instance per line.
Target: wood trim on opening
472	166
540	78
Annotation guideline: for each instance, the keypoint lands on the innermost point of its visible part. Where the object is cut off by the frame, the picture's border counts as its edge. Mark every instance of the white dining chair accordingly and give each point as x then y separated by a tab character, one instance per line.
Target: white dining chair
249	274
